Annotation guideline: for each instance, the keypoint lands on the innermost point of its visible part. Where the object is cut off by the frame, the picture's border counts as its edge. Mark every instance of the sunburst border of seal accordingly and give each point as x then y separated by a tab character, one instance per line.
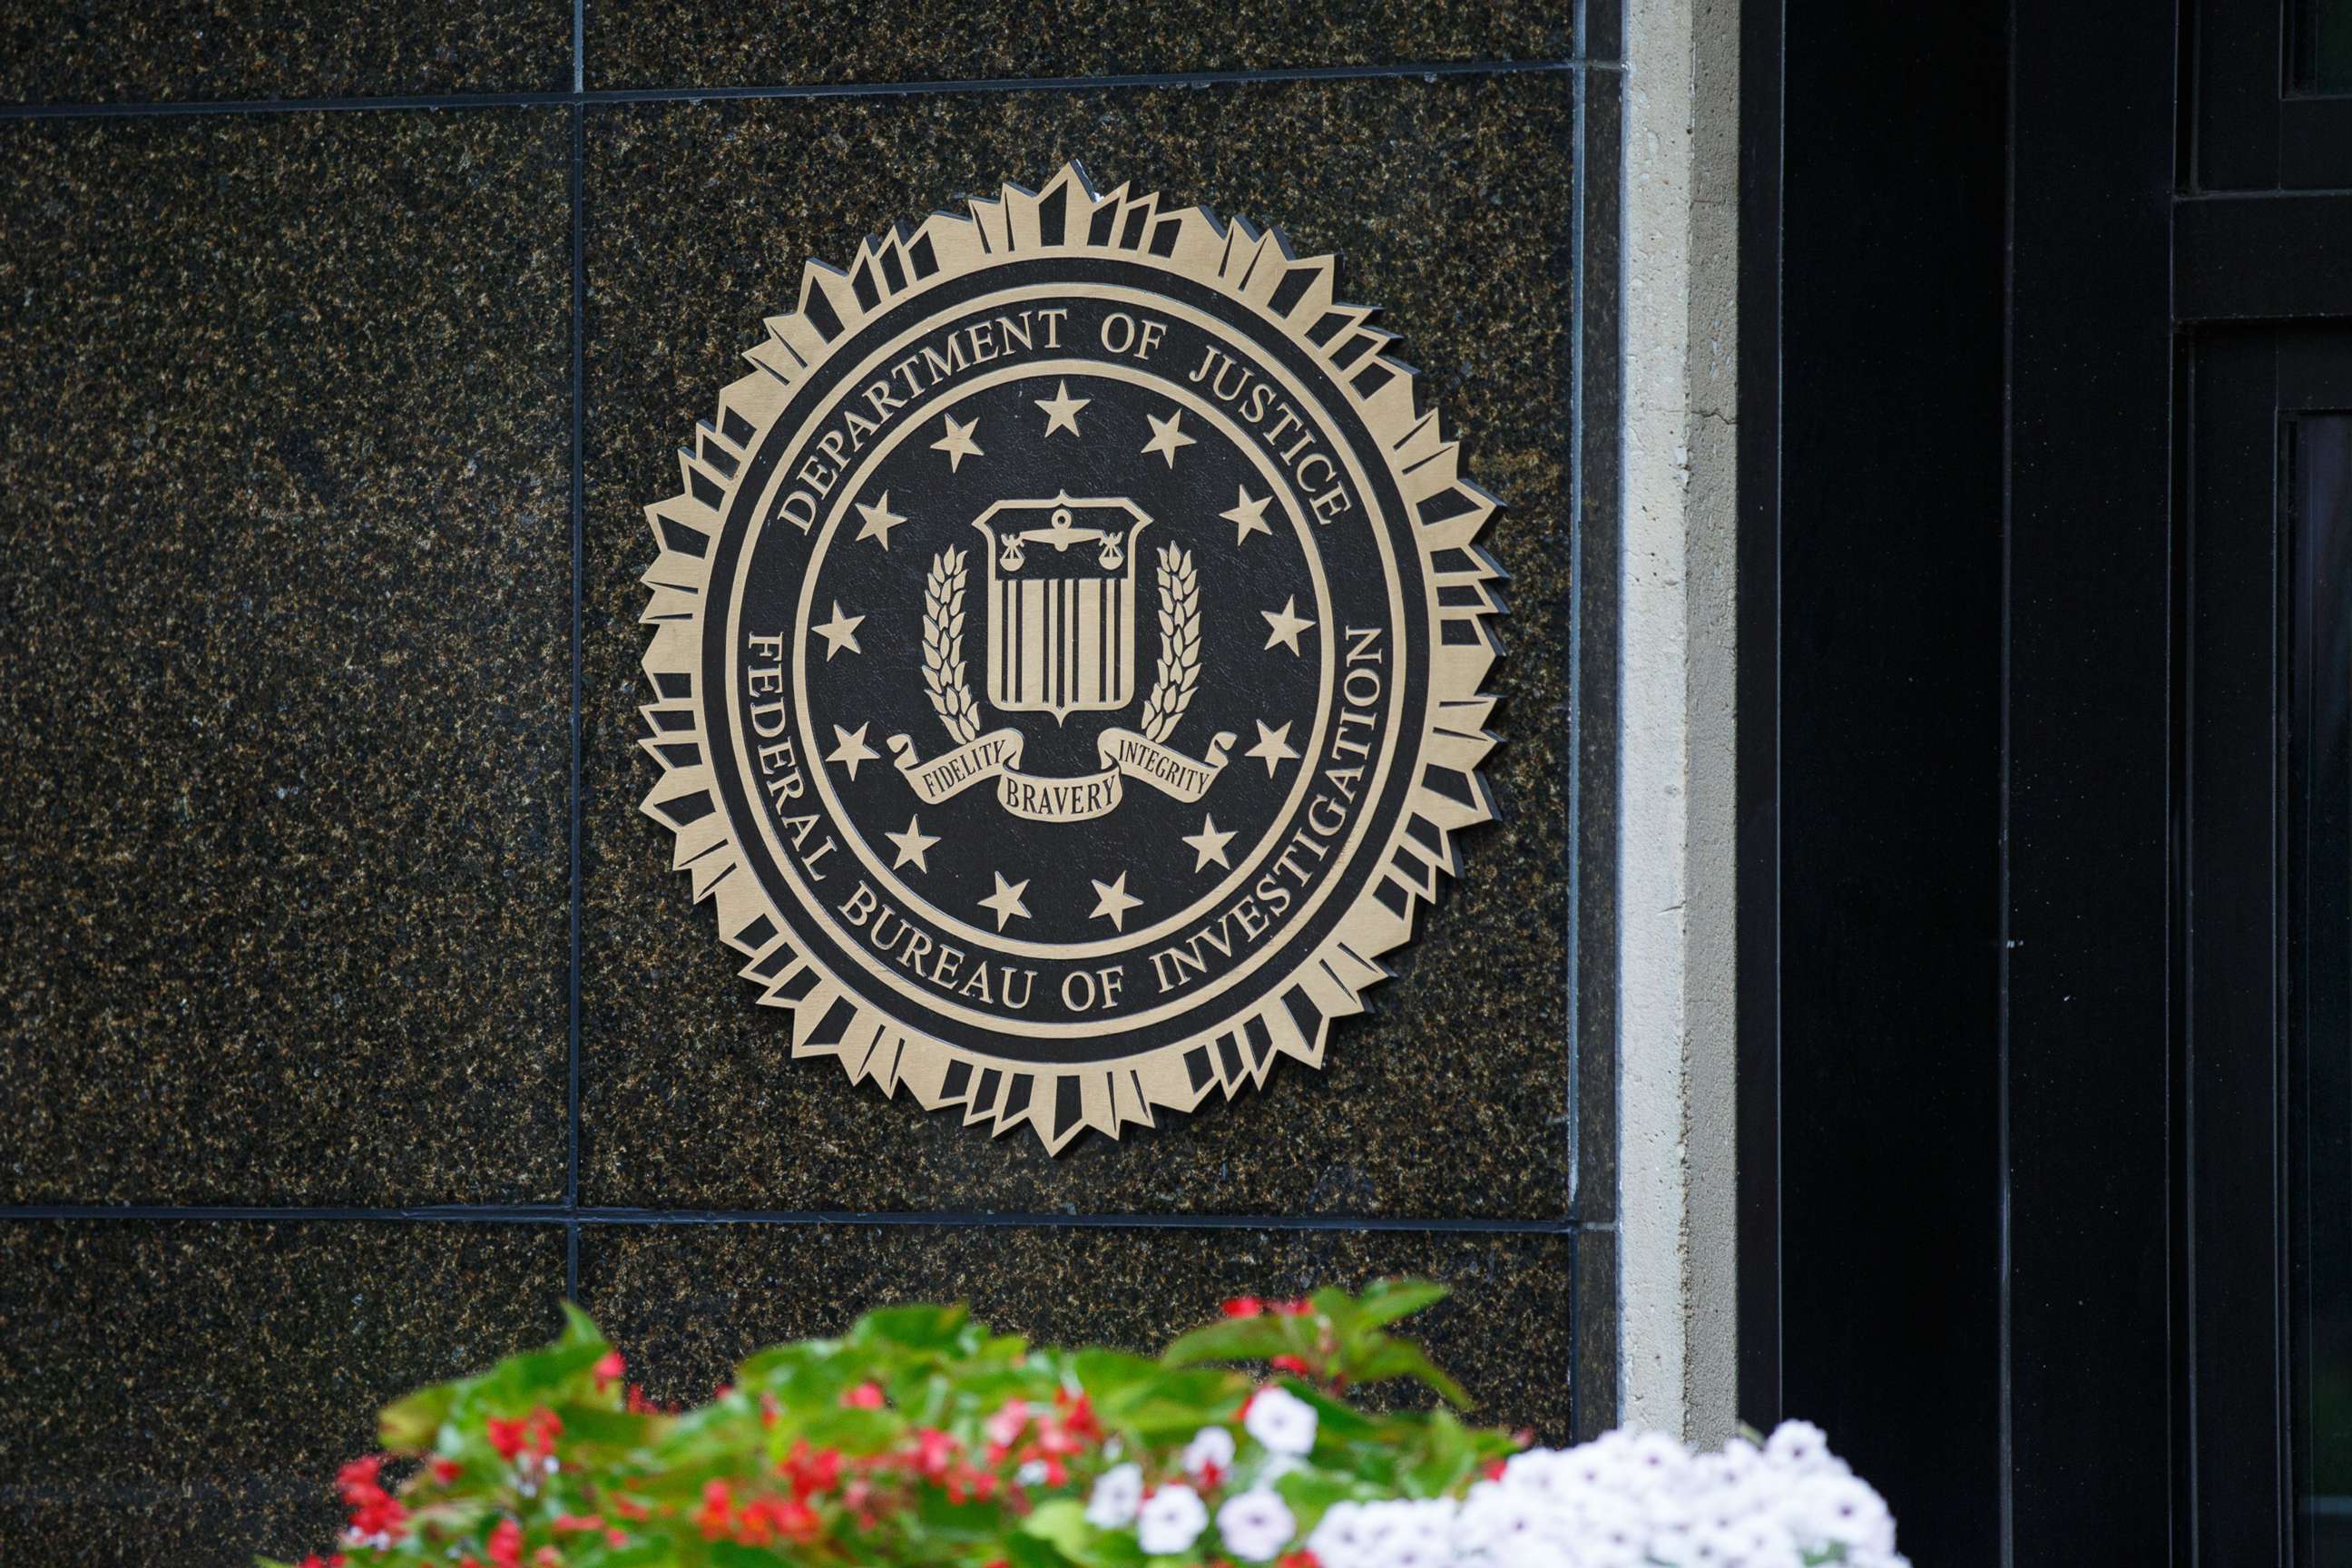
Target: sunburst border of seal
1259	268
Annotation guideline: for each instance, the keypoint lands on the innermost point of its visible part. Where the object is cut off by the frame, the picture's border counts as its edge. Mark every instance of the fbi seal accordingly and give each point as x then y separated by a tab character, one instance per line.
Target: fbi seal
1066	658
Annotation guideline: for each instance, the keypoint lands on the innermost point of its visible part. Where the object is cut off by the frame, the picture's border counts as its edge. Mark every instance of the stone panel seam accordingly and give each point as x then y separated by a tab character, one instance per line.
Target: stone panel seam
1425	70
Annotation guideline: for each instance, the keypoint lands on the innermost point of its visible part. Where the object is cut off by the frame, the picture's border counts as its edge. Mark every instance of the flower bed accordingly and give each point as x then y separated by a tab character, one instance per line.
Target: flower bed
921	1439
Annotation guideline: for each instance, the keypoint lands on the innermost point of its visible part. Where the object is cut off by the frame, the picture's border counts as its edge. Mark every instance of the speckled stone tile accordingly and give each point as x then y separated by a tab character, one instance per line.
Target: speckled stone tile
673	43
1602	419
178	51
182	1393
283	449
1449	201
687	1302
1597	1314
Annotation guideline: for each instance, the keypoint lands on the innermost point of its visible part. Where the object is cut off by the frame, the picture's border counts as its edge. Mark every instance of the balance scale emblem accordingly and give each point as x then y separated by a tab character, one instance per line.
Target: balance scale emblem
1061	618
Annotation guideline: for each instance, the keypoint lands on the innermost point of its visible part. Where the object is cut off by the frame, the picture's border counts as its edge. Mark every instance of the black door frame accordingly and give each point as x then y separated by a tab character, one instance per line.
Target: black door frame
1981	250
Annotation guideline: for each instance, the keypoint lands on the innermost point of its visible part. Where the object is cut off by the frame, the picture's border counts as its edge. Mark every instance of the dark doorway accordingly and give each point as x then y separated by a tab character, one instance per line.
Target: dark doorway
2046	770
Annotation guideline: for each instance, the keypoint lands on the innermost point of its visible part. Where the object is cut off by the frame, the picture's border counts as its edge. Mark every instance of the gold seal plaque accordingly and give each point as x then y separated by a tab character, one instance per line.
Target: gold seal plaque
1067	658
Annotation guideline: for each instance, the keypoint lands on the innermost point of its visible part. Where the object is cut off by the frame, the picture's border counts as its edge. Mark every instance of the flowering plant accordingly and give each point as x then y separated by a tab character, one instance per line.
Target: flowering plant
920	1438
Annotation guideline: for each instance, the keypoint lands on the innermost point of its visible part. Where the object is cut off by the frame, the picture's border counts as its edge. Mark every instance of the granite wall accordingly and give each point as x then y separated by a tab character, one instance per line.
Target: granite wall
352	1017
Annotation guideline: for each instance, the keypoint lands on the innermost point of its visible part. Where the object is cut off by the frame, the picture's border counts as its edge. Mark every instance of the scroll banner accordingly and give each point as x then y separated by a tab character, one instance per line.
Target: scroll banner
1125	754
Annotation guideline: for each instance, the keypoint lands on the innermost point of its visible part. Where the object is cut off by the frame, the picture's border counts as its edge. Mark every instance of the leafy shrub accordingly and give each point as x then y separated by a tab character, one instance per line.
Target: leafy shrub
920	1438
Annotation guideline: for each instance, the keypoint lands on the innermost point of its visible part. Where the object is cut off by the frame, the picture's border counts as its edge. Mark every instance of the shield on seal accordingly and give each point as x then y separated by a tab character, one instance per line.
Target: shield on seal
1061	604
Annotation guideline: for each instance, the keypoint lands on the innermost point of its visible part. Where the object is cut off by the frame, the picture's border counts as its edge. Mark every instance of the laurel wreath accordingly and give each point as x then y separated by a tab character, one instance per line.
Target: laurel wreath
1180	644
943	647
1175	677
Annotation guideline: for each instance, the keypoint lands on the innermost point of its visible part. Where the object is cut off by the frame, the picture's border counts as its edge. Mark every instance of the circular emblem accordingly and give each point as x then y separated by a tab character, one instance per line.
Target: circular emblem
1066	658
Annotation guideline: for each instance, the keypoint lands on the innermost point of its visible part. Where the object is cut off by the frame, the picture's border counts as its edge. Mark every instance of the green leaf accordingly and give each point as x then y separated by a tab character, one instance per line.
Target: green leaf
1022	1551
1063	1522
1451	1457
1309	1491
595	1424
1334	1419
1393	1358
410	1425
1235	1339
910	1328
735	1554
1384	1301
580	1329
1339	1308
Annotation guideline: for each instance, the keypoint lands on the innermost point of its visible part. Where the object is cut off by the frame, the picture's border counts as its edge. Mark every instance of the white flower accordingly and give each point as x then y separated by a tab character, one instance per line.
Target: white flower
1400	1534
1545	1472
1032	1474
1798	1445
1629	1499
1118	1493
1256	1525
1281	1420
1830	1509
1210	1446
1172	1519
1654	1460
1343	1537
1495	1519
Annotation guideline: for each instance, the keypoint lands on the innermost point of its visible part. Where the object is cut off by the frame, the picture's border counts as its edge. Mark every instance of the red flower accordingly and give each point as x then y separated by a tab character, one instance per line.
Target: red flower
446	1471
315	1561
1492	1469
717	1516
865	1396
576	1523
1078	1415
505	1435
505	1545
810	1472
933	1451
966	1484
377	1514
609	1369
535	1433
1243	1307
767	1520
1292	1363
1005	1426
1300	1559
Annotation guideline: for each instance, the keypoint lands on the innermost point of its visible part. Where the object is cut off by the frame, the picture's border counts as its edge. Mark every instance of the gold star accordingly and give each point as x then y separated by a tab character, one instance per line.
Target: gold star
957	443
852	748
913	845
1006	901
1209	845
879	520
1165	436
841	632
1286	626
1112	901
1062	409
1274	745
1249	517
